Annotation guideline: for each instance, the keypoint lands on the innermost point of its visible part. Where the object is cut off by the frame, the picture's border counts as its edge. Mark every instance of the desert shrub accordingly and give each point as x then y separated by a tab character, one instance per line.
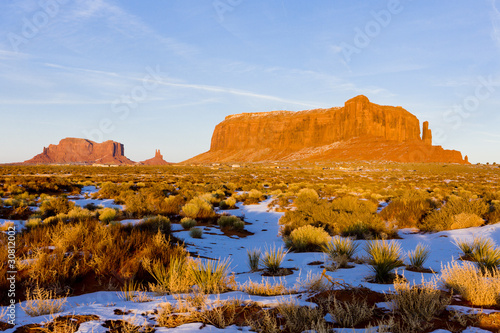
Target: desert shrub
479	288
273	258
107	215
443	219
384	257
494	214
306	195
465	220
79	214
198	208
230	222
211	276
307	238
188	223
417	304
349	313
407	211
54	206
230	202
196	232
172	205
265	288
155	224
265	322
42	302
418	256
33	223
299	318
348	216
174	278
253	259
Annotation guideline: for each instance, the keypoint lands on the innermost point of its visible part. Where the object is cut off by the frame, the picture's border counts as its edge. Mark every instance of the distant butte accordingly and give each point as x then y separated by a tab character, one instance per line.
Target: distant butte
358	131
157	160
82	151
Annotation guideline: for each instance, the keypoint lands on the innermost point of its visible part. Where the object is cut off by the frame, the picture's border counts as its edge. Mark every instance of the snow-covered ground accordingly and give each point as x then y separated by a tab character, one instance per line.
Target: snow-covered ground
264	225
83	199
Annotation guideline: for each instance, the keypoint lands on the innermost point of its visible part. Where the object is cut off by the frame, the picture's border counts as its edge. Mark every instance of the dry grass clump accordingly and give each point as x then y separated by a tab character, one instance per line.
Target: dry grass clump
41	302
479	288
349	313
307	238
299	318
265	322
174	278
418	304
265	287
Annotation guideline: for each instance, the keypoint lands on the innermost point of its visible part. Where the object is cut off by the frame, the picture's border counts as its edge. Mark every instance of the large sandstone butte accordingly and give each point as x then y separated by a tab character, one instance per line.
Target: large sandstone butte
157	160
82	151
360	130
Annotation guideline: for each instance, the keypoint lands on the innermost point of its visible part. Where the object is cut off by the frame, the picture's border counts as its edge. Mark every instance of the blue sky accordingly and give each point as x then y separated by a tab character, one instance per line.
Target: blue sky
161	74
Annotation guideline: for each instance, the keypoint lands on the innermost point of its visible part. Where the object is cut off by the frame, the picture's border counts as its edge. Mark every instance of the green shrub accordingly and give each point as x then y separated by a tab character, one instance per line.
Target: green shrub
155	224
107	215
230	222
198	208
307	238
196	232
384	257
54	206
188	223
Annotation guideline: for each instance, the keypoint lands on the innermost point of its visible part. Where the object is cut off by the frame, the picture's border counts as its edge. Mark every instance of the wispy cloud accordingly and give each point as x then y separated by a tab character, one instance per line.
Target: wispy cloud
124	23
495	20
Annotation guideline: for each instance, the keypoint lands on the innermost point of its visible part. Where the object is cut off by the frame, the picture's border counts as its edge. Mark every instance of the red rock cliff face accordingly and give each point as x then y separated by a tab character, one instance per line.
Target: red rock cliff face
285	130
73	150
353	132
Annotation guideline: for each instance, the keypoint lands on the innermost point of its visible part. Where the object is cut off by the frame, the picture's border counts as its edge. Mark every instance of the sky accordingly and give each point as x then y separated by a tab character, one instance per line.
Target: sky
162	74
